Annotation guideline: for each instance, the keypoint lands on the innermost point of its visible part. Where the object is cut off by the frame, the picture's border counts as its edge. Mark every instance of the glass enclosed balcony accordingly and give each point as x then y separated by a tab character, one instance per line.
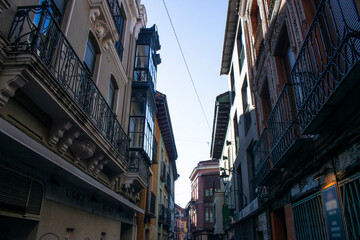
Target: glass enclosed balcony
142	126
35	31
146	59
326	72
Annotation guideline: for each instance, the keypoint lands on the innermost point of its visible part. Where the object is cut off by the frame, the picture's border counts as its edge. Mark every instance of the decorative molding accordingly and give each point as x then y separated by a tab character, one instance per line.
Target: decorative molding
57	131
132	25
114	180
4	4
107	44
290	34
301	15
295	24
68	139
9	84
82	149
101	28
100	167
93	162
94	13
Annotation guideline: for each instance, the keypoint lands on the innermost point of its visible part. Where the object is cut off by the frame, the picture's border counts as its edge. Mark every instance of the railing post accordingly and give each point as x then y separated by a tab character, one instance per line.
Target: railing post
41	25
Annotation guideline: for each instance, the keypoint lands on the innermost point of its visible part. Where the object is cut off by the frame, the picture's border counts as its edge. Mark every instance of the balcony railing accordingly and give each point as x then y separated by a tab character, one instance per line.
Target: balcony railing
329	56
143	76
35	30
119	22
261	158
138	165
283	125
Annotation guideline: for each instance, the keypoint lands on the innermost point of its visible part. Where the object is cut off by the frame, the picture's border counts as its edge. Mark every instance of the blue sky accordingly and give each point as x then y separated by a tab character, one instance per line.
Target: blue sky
199	25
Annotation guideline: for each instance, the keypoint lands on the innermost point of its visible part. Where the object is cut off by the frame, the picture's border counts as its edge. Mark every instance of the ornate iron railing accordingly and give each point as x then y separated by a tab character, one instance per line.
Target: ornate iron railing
138	165
261	157
329	53
119	22
35	30
282	125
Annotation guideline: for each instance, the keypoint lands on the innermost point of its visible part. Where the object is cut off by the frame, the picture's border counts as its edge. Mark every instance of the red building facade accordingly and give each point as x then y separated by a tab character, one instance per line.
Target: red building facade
204	179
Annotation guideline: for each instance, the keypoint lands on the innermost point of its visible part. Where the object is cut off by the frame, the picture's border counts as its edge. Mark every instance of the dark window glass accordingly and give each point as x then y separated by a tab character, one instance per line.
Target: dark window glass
90	56
112	91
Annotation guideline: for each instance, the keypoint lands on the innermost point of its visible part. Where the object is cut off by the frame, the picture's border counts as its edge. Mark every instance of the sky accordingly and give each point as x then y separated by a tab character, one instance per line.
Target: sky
199	26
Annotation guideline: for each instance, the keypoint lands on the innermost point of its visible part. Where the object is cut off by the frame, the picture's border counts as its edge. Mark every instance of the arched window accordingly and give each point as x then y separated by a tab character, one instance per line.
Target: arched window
91	51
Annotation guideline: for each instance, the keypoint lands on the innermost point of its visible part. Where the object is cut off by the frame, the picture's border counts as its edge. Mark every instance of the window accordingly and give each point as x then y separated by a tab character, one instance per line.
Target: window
90	54
246	106
236	133
208	192
120	19
112	92
57	9
240	48
232	86
209	213
265	102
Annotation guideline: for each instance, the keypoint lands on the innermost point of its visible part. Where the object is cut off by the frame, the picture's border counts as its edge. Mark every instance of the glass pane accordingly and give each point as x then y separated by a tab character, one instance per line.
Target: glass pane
111	95
90	56
142	56
137	108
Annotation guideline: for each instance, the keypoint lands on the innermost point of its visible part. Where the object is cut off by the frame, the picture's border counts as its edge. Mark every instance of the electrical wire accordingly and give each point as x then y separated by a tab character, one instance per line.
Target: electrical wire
187	67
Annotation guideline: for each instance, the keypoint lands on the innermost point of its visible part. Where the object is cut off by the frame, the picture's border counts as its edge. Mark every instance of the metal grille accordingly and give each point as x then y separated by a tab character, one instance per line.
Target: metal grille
350	199
19	193
309	219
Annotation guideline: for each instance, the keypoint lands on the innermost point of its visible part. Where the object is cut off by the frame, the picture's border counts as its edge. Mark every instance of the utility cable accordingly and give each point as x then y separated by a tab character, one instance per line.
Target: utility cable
188	70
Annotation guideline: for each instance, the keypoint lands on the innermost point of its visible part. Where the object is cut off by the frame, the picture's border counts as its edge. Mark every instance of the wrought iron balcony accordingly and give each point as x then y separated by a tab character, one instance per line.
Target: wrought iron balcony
34	30
327	67
139	168
283	126
261	158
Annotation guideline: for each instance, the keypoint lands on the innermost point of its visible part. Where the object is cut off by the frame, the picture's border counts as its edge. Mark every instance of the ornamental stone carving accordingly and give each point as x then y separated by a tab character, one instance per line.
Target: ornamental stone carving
82	149
101	29
9	85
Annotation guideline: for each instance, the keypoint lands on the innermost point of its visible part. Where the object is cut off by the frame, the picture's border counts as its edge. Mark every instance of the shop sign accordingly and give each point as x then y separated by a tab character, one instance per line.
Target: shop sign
334	220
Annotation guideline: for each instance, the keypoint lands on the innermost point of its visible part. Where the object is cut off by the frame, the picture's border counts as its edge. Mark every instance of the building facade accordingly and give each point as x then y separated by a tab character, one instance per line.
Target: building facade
303	63
181	231
152	198
167	171
233	144
204	180
74	156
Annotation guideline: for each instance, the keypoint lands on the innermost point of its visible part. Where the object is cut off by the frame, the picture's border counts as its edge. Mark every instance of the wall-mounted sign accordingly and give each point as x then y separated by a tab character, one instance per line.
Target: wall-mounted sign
334	221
